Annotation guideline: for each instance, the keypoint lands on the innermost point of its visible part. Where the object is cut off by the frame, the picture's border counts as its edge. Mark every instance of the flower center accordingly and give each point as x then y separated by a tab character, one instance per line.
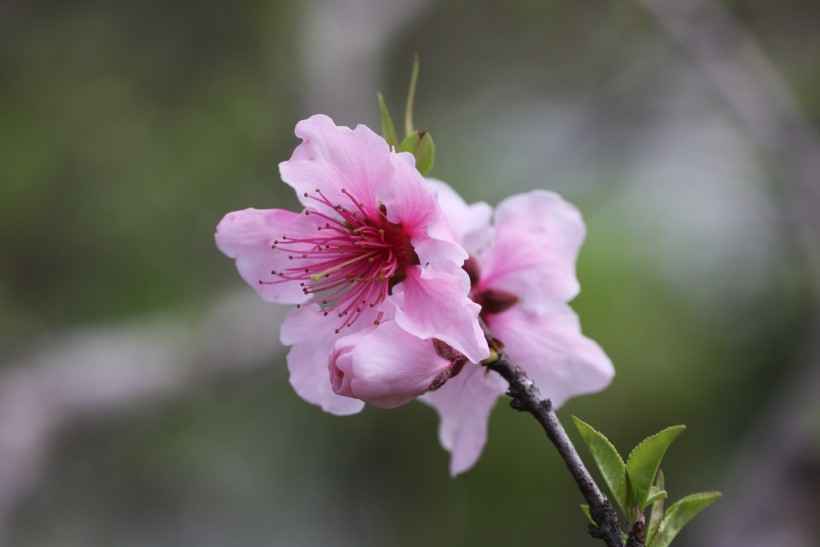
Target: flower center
353	261
492	301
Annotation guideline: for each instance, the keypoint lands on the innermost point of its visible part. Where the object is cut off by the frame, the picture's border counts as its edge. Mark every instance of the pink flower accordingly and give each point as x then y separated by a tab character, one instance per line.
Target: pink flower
523	274
371	261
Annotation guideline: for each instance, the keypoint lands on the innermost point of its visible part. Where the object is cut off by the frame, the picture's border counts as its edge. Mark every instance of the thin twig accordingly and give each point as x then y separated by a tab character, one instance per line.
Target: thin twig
527	398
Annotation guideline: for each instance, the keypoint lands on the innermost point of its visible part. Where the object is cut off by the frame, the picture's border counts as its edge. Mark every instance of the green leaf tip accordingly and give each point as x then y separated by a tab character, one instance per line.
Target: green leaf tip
585	509
606	457
679	514
411	97
388	129
643	464
420	144
656	494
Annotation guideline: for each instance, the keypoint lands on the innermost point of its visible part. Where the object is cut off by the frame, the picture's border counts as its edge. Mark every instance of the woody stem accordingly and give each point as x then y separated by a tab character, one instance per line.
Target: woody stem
527	398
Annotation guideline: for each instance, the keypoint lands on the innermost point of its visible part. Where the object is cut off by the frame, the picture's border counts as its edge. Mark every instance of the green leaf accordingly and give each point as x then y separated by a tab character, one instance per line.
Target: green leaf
607	459
679	514
585	509
388	130
420	144
656	494
644	461
656	515
411	97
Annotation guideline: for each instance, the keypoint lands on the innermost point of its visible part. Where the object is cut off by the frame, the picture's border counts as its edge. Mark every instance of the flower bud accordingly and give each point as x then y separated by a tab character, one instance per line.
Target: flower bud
386	367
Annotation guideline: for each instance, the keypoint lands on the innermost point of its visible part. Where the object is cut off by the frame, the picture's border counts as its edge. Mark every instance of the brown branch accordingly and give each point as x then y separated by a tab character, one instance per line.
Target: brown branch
527	398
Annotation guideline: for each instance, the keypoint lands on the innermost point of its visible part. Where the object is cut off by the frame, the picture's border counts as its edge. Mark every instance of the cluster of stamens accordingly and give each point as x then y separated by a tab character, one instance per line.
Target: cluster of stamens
351	263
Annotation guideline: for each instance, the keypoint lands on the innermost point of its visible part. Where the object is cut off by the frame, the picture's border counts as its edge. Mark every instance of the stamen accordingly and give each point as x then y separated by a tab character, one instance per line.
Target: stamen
356	252
316	277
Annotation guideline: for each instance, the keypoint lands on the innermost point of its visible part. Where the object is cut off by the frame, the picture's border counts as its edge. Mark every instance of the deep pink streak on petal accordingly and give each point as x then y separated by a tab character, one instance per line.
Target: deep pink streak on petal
470	224
386	367
433	303
549	346
333	157
537	239
247	236
464	404
308	359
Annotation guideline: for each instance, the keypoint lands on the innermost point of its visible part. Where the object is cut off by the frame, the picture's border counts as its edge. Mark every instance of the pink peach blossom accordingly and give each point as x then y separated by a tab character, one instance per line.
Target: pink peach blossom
522	272
371	260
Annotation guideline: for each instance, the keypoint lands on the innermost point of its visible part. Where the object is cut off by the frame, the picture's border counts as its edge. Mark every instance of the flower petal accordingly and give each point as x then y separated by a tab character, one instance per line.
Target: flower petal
560	360
537	239
247	236
333	157
412	203
433	303
308	359
385	366
470	224
409	201
464	404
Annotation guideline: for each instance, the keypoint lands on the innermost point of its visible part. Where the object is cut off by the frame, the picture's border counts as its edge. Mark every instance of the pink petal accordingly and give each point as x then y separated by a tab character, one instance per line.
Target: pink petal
408	199
333	157
438	252
385	366
311	342
464	404
537	238
412	203
433	303
560	360
247	236
470	224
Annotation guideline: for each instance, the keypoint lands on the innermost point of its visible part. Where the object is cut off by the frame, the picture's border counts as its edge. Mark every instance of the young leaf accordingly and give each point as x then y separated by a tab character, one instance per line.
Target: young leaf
656	515
607	459
420	144
680	513
388	130
411	97
643	462
656	494
585	509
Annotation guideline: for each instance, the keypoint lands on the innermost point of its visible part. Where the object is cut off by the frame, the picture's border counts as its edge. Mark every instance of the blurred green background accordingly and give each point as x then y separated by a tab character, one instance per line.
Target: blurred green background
128	129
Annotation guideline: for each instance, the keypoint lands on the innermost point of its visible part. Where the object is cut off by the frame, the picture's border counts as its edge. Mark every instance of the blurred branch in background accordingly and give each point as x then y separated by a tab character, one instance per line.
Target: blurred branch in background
778	471
100	373
96	374
757	95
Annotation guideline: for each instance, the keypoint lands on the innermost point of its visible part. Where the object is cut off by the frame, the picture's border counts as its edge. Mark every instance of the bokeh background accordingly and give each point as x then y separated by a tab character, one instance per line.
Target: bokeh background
144	398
